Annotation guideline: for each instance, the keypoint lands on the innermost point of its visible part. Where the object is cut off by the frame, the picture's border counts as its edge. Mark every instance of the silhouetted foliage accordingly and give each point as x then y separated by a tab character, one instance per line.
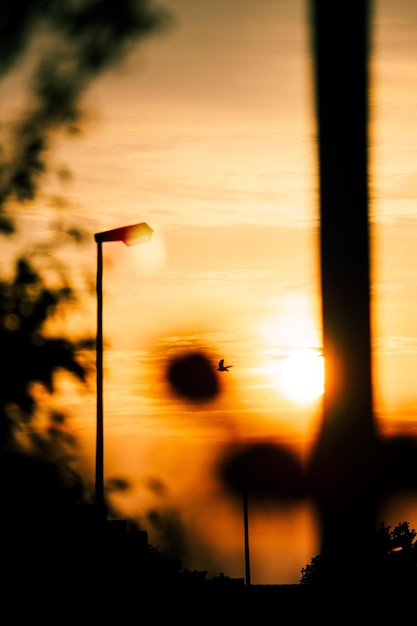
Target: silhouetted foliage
42	496
81	40
29	355
52	542
395	557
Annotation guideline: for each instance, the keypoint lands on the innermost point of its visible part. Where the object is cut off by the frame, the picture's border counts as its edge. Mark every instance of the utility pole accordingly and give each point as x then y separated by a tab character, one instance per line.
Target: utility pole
246	530
344	460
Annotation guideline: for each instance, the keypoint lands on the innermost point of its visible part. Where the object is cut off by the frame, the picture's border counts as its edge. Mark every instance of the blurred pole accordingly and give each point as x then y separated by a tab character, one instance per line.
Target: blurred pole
343	463
246	530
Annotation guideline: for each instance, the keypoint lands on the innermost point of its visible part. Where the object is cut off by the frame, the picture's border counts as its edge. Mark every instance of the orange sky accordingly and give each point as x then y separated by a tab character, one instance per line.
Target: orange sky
207	133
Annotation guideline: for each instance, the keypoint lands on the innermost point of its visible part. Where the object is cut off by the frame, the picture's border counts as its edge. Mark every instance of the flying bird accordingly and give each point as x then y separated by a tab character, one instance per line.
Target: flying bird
222	367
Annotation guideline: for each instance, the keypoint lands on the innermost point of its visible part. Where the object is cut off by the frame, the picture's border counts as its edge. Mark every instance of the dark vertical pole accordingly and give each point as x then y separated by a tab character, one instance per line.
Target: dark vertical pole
246	530
343	462
99	485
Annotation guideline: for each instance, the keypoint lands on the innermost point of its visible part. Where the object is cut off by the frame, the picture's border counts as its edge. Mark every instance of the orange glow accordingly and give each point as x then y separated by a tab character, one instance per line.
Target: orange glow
208	135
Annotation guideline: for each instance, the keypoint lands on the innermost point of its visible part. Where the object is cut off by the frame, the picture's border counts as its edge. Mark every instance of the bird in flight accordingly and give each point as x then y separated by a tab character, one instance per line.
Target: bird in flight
222	367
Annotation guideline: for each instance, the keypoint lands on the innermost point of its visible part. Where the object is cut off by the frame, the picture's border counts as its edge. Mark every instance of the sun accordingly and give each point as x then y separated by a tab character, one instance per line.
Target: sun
302	376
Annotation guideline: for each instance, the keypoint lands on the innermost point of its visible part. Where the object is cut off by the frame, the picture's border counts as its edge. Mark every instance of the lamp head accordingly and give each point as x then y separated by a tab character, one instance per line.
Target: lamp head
130	235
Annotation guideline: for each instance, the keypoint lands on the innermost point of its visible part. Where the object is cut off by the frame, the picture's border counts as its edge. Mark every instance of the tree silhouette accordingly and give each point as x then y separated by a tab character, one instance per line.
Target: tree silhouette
40	490
82	41
395	558
43	499
29	354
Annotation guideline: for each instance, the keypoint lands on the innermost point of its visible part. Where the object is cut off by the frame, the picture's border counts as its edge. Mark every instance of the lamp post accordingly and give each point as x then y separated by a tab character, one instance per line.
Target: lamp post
130	235
246	533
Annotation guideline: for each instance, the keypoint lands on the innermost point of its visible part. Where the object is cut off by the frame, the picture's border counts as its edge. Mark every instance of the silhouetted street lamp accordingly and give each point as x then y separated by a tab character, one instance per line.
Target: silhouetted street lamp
130	235
246	534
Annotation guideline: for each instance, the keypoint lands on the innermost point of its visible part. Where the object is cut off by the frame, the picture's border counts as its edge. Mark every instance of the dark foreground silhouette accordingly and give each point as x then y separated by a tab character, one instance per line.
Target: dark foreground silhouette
60	563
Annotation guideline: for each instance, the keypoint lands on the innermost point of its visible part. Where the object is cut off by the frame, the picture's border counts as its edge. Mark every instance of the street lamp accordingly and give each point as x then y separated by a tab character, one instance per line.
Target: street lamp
130	235
246	533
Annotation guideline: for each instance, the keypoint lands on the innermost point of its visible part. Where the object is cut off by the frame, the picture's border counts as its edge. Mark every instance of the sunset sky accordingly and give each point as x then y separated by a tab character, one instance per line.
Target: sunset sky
207	133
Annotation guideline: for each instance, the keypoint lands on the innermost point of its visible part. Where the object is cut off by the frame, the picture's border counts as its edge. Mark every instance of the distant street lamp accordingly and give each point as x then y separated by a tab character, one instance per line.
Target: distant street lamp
130	235
246	534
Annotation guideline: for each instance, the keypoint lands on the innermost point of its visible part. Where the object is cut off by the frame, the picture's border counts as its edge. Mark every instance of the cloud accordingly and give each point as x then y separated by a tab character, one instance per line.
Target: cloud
396	344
